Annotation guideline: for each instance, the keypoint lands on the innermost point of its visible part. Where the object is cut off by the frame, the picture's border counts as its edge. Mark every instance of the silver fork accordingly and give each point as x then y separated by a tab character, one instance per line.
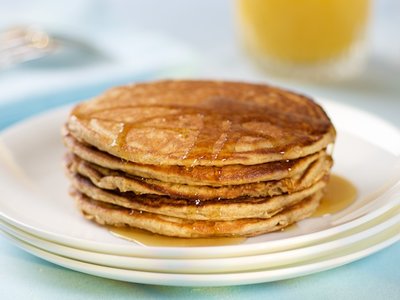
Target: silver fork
24	43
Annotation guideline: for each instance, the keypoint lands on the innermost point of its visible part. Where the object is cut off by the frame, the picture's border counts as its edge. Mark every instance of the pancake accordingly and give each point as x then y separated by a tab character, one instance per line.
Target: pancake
202	123
217	209
196	175
108	214
115	180
198	158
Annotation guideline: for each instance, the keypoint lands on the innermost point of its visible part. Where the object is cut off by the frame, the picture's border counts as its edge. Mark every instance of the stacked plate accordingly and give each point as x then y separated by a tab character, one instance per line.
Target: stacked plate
38	215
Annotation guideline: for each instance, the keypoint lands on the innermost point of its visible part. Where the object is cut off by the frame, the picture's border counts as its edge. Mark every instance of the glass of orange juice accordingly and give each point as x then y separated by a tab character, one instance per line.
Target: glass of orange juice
317	39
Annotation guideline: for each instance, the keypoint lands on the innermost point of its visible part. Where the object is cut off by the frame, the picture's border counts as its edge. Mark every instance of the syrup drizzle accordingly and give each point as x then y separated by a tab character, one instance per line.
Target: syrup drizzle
219	123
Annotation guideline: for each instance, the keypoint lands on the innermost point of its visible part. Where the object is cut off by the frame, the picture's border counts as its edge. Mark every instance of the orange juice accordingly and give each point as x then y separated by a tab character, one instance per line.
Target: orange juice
302	31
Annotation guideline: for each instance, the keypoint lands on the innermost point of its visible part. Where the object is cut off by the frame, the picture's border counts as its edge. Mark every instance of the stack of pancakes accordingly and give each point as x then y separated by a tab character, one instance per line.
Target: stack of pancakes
198	158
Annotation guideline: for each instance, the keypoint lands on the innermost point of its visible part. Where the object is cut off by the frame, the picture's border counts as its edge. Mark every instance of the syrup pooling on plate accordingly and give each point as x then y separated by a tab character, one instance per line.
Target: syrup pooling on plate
146	238
210	129
340	193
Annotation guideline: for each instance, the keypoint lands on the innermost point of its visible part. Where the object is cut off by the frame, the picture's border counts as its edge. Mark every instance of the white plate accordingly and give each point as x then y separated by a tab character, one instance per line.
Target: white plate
215	265
338	258
33	178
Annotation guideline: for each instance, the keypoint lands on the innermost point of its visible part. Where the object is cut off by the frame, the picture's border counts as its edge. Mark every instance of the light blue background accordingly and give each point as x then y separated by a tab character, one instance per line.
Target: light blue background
377	90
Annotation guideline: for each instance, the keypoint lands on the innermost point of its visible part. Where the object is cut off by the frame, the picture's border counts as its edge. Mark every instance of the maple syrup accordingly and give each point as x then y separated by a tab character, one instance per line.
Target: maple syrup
209	120
147	238
339	194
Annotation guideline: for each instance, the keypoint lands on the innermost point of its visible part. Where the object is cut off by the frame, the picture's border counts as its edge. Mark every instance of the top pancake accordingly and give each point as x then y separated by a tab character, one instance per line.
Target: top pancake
202	123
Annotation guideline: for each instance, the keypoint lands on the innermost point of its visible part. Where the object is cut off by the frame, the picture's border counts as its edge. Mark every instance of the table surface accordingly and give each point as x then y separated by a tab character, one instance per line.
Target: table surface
377	91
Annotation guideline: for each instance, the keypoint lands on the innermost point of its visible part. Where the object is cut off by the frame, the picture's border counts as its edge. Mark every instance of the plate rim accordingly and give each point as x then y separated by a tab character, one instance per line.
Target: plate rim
278	259
222	279
173	251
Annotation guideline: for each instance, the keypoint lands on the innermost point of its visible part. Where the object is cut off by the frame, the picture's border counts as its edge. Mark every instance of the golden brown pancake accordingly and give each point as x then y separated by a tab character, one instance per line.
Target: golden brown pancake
108	214
116	180
209	123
